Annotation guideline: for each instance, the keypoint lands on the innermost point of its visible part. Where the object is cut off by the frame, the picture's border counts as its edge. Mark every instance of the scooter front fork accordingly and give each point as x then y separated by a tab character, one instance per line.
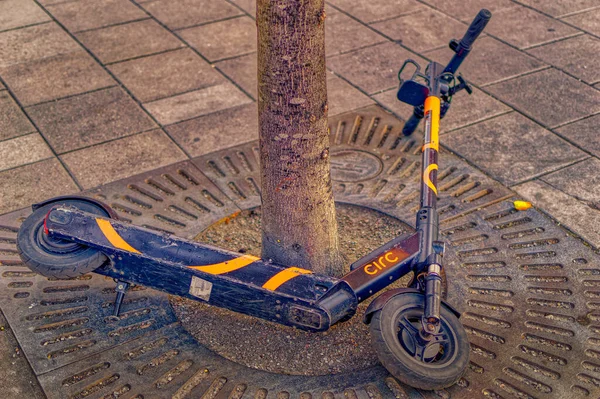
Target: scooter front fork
433	299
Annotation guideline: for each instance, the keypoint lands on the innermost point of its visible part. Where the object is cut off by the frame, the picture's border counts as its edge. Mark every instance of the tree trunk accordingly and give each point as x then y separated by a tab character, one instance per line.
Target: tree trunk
299	226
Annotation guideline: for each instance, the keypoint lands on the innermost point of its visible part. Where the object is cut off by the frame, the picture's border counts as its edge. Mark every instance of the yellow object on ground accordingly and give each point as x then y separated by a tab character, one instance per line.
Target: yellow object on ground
522	205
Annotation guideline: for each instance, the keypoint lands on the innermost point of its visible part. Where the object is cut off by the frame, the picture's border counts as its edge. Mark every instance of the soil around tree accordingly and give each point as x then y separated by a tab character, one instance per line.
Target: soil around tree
271	347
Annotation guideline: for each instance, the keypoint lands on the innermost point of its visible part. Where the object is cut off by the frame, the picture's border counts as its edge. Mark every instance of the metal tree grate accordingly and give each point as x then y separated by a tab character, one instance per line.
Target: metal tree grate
529	290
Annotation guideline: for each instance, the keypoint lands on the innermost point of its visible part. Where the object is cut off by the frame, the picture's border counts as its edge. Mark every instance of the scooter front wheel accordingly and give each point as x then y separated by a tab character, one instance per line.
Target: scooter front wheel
430	364
54	257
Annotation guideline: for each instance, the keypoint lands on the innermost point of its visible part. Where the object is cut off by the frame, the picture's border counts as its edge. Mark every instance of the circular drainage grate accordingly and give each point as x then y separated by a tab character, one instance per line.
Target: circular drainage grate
529	291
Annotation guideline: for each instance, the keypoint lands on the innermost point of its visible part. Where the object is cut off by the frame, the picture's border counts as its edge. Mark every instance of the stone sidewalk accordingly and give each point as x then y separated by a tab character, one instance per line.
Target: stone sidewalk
96	91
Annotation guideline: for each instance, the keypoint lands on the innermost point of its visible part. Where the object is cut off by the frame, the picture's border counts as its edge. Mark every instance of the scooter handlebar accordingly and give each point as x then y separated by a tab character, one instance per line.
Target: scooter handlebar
475	28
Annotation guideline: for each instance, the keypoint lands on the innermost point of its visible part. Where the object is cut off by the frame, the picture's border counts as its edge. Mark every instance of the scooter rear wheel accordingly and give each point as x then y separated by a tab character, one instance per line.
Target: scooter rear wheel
54	257
434	364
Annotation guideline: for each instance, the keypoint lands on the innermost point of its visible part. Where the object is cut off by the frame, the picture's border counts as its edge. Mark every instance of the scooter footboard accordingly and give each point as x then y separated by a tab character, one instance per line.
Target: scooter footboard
242	283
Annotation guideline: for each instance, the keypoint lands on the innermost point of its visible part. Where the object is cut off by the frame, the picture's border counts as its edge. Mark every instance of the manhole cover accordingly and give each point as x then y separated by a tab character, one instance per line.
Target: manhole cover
354	165
529	291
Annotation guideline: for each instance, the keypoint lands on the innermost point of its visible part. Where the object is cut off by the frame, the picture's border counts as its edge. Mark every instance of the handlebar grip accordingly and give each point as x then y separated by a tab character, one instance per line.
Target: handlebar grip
411	124
475	28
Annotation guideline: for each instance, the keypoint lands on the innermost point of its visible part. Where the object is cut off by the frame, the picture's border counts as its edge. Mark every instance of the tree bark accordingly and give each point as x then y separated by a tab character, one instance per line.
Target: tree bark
299	225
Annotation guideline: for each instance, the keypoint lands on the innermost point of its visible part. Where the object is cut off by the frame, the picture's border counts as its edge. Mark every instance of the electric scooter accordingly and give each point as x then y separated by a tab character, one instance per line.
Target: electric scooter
416	334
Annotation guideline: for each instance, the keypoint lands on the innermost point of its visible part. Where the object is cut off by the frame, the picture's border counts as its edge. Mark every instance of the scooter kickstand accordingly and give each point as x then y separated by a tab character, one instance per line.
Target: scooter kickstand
120	289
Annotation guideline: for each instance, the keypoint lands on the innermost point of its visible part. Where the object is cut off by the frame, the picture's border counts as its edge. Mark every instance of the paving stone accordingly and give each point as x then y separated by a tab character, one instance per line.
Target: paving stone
465	110
206	134
88	119
32	183
196	103
374	68
121	42
557	8
466	10
342	97
377	10
83	15
343	34
223	39
13	122
55	77
18	13
177	14
581	181
584	133
34	43
422	31
23	150
568	211
512	148
121	158
579	56
247	5
166	74
524	27
243	71
551	97
388	100
589	21
490	61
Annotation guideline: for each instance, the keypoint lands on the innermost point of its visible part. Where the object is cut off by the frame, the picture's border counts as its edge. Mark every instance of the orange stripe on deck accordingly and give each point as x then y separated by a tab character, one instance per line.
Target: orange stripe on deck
283	276
227	266
113	237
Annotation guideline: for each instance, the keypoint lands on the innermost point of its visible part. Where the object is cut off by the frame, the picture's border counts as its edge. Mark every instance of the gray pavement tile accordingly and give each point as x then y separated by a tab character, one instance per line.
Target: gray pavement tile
32	183
581	181
512	148
422	31
122	158
223	39
584	133
588	21
217	131
490	61
88	119
377	10
389	100
343	34
23	150
247	5
82	15
243	71
55	77
197	103
375	68
166	74
34	43
465	109
18	13
342	97
523	27
13	122
118	43
557	8
466	10
177	14
568	211
579	56
551	97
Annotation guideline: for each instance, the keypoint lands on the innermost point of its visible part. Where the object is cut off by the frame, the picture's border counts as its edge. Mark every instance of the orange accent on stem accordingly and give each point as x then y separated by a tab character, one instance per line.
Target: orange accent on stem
432	106
283	276
427	179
